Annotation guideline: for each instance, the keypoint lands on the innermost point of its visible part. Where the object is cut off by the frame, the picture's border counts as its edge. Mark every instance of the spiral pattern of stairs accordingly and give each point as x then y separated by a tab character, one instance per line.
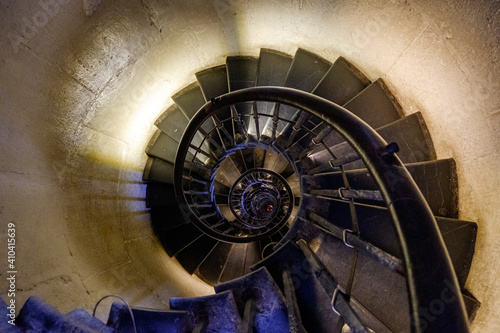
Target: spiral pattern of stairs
275	209
334	185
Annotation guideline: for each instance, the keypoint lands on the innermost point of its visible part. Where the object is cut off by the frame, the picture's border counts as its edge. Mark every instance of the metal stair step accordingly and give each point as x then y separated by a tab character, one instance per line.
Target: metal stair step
211	268
471	304
375	225
294	318
377	291
80	320
189	100
460	239
437	180
158	170
342	82
193	255
412	136
272	71
213	82
235	263
38	316
252	256
219	312
306	71
410	133
172	122
242	73
272	157
376	105
146	320
259	286
314	303
273	67
175	239
162	146
381	292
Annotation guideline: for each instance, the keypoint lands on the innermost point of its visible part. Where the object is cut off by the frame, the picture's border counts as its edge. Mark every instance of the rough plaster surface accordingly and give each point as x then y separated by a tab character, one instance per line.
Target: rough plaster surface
79	95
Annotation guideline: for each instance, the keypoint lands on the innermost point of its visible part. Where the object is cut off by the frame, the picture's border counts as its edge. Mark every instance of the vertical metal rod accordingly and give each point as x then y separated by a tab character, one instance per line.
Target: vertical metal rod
256	119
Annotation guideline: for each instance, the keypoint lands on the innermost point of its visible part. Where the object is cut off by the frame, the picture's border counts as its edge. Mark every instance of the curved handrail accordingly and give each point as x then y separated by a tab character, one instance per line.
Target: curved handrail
436	303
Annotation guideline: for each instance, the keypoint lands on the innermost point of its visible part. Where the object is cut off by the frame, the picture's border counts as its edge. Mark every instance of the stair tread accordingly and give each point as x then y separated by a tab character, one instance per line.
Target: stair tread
336	257
375	105
158	170
189	100
381	292
219	310
412	136
377	291
177	237
271	313
213	81
409	132
437	180
38	316
460	239
375	225
162	146
235	263
306	71
272	71
341	83
172	122
146	320
211	268
273	67
313	301
252	256
194	254
241	72
80	320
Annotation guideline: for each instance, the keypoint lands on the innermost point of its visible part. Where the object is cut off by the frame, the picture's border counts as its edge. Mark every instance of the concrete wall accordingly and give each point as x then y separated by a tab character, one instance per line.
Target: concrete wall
79	94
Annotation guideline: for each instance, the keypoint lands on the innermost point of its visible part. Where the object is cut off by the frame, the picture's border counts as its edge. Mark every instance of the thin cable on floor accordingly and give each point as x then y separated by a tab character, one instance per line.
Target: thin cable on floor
124	301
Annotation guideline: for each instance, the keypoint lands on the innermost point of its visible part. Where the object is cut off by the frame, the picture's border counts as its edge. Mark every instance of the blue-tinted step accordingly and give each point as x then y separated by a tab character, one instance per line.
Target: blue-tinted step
146	320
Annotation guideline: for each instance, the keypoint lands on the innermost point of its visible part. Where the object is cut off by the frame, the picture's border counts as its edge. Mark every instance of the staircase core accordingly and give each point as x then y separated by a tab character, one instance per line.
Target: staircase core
260	199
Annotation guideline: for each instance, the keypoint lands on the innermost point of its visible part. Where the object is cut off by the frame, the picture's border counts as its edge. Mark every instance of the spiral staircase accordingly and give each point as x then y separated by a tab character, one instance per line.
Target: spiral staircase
297	211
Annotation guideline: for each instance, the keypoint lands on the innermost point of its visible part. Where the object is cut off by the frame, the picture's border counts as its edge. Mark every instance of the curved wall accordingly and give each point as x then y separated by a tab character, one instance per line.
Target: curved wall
80	93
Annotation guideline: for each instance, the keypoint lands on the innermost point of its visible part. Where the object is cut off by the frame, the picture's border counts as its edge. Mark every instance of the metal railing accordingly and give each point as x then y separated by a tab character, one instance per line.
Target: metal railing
308	119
